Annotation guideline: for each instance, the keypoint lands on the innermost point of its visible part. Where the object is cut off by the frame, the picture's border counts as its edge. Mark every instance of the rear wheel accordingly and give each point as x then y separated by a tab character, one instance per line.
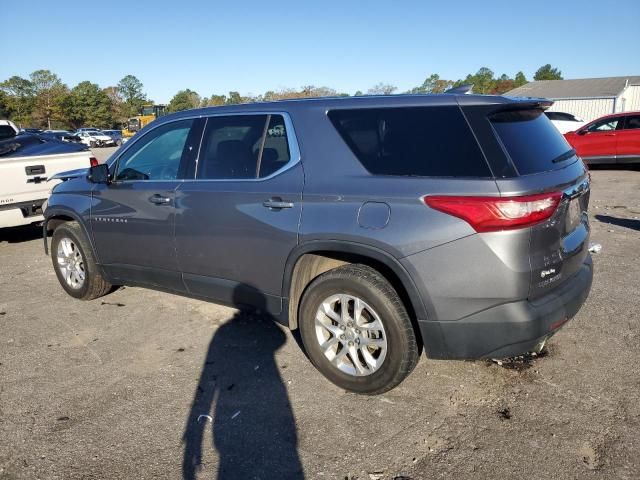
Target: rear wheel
356	330
75	265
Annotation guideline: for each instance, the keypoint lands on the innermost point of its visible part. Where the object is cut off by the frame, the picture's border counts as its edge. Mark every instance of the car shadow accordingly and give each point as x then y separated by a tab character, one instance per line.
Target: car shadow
241	393
20	234
631	223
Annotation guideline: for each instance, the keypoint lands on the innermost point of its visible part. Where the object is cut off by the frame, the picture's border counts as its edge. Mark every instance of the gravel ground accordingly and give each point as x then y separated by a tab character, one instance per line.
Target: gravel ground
119	387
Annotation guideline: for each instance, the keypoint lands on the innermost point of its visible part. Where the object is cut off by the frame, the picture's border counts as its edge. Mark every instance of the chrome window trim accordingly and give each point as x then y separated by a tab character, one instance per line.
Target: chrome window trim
292	141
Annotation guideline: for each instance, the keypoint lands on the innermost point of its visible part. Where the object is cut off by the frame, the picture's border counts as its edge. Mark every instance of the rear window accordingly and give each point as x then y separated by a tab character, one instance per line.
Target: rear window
416	141
531	141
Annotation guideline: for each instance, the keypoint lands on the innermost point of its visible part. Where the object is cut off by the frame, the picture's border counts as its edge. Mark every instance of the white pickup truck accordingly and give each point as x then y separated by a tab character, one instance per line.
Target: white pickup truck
27	161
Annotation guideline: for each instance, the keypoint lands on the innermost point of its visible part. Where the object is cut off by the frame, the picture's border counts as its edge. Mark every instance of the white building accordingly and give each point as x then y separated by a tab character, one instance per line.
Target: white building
586	98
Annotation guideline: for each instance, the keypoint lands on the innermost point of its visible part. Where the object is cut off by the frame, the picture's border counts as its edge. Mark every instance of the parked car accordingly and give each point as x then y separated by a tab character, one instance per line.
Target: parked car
564	122
31	130
62	135
27	161
116	135
609	139
88	129
377	226
95	138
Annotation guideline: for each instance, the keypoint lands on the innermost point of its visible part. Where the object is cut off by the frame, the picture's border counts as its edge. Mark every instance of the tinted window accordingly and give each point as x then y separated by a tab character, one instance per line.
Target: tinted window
604	125
6	131
243	146
530	140
157	155
632	122
417	141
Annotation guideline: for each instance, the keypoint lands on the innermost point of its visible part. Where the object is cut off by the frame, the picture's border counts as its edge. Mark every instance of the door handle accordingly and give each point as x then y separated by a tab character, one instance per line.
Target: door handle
277	203
159	199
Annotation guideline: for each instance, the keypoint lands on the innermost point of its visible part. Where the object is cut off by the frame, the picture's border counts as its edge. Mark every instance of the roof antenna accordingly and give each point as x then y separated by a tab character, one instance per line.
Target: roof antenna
461	90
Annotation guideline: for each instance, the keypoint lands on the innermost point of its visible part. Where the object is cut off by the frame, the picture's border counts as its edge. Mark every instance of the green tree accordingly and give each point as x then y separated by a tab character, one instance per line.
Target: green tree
234	98
503	84
88	105
118	114
433	84
358	93
547	72
50	97
19	99
4	109
520	80
381	89
184	100
214	101
133	96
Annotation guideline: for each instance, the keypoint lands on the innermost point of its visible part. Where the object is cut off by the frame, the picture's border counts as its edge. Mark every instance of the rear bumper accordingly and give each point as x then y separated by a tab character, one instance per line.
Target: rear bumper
508	329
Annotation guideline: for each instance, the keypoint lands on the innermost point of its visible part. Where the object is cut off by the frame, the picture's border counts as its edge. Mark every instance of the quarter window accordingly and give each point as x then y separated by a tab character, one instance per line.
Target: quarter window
157	155
416	141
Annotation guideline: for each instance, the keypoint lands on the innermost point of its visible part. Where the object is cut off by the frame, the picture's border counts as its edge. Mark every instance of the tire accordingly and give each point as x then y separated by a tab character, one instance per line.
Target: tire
92	144
386	356
84	281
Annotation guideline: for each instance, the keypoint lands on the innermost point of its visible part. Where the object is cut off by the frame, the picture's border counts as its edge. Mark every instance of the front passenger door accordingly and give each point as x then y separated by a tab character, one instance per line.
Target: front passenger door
133	217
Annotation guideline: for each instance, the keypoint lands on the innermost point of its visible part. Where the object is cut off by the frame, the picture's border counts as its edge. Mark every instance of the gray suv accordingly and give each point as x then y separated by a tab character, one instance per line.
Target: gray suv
377	226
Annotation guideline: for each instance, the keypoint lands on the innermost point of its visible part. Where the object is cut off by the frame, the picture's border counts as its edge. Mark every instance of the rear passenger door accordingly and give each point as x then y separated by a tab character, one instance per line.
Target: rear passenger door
629	140
237	220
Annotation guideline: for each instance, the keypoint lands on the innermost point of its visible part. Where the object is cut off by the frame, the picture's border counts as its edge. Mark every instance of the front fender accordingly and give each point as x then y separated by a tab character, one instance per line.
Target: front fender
69	207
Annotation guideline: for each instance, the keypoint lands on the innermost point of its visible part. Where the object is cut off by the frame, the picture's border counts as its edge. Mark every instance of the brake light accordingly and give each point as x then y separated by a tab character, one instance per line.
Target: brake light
491	214
93	161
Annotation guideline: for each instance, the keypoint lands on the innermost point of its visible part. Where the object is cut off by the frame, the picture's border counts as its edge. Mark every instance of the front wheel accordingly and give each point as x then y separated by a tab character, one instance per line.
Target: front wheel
75	265
356	330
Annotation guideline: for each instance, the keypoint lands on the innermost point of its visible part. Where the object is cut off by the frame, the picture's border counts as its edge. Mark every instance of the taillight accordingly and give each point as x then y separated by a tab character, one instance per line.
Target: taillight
93	161
490	214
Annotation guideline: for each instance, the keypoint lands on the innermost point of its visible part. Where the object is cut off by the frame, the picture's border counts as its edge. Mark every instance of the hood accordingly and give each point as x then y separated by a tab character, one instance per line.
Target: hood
69	174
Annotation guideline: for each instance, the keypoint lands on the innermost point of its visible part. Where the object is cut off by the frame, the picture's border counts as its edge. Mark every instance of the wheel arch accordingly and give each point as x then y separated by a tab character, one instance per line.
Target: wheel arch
314	258
56	217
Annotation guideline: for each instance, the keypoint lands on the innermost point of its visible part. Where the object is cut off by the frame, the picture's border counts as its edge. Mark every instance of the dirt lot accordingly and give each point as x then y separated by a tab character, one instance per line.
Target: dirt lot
115	388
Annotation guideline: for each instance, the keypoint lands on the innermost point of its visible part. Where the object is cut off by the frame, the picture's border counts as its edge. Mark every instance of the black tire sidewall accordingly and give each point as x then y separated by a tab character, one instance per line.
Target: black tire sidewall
398	344
59	233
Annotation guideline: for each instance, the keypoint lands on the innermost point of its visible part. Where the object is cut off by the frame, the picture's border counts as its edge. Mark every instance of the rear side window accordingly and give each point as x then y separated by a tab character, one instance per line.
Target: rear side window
415	141
531	141
632	122
243	147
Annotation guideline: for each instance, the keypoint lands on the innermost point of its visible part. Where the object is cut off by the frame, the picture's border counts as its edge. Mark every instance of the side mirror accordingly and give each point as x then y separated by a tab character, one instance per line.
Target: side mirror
99	173
581	132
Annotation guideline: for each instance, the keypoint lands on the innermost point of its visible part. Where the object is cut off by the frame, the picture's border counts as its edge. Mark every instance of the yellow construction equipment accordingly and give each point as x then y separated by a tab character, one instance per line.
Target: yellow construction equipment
148	113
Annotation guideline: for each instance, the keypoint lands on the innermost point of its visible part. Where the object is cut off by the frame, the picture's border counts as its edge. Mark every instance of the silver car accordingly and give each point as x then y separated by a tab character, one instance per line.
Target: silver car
380	226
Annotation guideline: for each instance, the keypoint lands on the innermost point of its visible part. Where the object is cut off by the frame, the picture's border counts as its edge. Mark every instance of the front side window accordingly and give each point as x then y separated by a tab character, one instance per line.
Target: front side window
243	147
604	125
157	155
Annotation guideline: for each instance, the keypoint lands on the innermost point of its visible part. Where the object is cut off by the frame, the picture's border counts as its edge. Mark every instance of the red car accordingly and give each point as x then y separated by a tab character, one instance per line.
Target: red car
610	139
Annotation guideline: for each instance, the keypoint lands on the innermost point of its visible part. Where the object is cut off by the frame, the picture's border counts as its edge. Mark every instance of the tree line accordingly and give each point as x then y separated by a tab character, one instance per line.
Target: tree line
43	100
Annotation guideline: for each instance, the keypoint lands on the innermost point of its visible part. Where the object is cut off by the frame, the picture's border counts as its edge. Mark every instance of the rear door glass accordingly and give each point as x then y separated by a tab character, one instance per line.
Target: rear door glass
530	140
412	141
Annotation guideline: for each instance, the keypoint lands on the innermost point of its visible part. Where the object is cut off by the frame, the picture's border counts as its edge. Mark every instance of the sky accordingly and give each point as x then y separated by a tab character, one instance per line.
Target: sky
254	46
